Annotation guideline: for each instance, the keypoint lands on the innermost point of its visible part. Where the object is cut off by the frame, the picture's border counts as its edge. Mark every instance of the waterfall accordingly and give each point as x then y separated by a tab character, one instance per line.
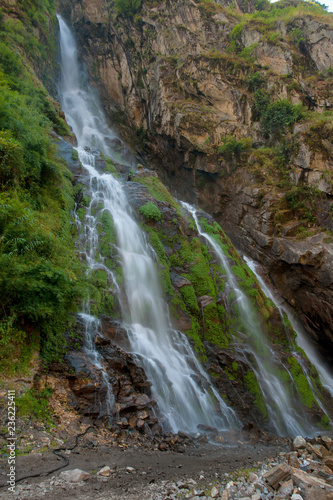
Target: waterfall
316	360
182	389
287	416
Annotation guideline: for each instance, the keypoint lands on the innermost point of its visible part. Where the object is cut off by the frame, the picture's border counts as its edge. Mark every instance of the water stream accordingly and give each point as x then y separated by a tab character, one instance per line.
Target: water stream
287	415
182	389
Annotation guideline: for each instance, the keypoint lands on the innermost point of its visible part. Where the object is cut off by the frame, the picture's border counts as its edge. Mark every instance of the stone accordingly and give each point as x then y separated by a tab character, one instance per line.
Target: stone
74	475
328	461
327	442
312	487
313	449
225	495
287	488
277	475
296	496
214	492
105	471
299	443
253	478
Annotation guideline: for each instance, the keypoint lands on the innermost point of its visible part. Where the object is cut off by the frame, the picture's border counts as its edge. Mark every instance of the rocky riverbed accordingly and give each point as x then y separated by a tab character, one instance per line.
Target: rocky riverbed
240	468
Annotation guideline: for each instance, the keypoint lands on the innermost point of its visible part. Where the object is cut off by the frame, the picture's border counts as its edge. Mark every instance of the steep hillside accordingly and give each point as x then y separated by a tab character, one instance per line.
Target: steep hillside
40	275
233	104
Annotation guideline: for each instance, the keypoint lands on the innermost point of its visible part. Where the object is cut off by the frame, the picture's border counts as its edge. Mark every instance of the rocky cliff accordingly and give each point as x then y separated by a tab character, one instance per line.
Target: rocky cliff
233	107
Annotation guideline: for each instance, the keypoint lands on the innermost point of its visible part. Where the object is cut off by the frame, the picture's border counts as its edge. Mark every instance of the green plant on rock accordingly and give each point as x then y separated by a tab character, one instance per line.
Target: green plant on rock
255	81
35	403
253	386
128	7
150	211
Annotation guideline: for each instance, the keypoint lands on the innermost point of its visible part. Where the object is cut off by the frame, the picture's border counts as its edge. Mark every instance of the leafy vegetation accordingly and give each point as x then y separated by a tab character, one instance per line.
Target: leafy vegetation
150	211
128	7
40	275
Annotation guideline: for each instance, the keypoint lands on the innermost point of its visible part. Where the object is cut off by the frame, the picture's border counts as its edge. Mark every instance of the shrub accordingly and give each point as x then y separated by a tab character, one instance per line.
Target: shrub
255	81
231	148
128	7
150	211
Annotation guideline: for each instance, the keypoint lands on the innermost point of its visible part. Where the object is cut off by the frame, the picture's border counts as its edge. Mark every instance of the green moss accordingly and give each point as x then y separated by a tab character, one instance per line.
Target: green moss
213	326
75	154
302	385
110	166
108	226
325	422
119	275
199	273
176	304
253	387
194	333
232	371
190	299
158	191
150	211
81	212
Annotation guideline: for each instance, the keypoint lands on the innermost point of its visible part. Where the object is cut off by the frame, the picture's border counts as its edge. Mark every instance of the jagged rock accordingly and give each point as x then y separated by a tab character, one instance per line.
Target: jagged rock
314	450
311	487
74	476
329	461
327	442
299	443
179	281
286	488
277	475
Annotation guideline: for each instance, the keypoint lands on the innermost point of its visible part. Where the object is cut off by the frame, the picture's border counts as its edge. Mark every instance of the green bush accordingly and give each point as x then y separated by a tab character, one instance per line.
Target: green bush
276	117
231	148
128	7
150	211
255	81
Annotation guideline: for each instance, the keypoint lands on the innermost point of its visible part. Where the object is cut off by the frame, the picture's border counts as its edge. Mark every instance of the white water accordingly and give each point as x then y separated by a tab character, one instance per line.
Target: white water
326	377
182	389
285	416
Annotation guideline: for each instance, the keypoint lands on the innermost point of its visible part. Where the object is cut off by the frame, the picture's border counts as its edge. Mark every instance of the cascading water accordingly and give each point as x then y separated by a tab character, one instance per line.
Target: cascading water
183	392
286	416
326	377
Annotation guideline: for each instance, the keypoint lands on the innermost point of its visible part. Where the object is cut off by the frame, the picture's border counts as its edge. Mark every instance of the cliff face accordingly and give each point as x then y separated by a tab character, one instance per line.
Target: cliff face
235	112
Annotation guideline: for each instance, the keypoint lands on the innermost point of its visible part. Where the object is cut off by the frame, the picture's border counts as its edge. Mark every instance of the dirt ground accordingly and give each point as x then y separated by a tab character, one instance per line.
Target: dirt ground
153	470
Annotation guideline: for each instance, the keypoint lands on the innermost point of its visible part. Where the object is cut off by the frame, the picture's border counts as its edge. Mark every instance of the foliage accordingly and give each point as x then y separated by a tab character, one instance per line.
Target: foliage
40	275
276	117
253	386
255	81
128	7
231	148
150	211
35	404
158	190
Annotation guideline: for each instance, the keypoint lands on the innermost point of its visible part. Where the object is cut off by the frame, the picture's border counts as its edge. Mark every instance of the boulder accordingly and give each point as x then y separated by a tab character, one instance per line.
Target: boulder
299	443
74	475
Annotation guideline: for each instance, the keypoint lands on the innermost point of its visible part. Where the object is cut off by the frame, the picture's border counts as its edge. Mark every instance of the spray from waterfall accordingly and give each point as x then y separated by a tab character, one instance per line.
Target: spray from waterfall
182	389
